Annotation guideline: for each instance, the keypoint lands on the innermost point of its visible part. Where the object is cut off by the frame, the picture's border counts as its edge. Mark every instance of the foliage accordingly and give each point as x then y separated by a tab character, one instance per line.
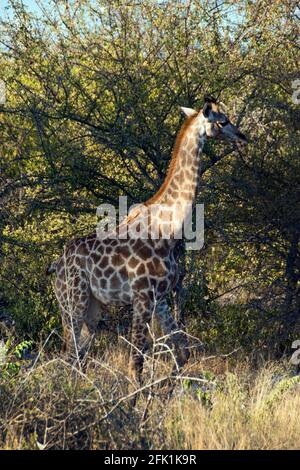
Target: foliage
93	90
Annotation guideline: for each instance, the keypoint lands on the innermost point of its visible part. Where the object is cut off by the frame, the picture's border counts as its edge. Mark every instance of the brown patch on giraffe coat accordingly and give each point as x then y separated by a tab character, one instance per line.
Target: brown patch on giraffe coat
189	161
124	251
126	298
90	244
158	267
162	251
133	262
115	282
94	257
147	297
185	195
145	252
162	286
153	281
151	269
141	269
123	273
173	185
116	260
76	282
126	287
141	283
138	244
104	262
97	272
108	271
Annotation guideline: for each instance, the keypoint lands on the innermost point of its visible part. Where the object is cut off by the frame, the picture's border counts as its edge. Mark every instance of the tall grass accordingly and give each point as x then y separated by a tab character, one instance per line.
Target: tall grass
248	411
53	405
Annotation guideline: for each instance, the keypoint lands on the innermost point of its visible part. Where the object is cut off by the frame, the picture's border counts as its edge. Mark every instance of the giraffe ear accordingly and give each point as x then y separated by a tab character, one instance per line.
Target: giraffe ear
189	112
207	109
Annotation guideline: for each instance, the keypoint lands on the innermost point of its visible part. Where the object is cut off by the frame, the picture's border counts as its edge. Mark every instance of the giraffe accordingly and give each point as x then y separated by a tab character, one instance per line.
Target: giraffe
96	272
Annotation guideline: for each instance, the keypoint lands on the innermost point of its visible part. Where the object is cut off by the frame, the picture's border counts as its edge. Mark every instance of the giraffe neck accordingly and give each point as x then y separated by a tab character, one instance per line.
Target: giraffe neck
179	190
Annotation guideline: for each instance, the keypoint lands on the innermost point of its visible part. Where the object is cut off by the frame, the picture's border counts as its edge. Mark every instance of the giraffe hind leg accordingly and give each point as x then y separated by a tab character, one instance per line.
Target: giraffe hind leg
176	338
142	313
74	303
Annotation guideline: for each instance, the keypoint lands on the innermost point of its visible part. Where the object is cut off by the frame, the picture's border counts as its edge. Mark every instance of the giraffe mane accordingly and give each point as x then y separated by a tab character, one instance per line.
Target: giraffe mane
172	164
171	168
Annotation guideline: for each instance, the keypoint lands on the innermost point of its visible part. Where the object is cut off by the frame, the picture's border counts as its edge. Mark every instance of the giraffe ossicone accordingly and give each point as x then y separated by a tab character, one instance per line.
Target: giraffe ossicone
95	272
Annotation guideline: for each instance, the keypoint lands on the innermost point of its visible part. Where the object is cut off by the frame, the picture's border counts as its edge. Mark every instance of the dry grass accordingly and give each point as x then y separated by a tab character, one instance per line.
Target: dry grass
243	414
222	406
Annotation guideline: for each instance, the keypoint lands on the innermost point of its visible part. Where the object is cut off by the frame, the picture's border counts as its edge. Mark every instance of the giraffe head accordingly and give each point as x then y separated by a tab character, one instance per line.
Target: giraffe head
216	123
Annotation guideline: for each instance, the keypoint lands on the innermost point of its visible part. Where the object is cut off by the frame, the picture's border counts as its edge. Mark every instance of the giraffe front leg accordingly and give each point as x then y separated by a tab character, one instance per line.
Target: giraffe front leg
175	336
90	326
142	313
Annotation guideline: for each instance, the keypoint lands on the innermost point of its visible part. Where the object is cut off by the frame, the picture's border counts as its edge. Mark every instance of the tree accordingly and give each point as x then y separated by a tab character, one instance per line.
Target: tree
93	92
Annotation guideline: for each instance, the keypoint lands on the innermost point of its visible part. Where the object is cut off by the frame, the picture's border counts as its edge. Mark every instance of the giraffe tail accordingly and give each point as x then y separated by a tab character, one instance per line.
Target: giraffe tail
52	268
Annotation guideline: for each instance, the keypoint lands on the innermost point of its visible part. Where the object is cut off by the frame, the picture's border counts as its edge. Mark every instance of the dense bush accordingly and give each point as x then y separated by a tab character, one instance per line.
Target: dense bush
93	90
